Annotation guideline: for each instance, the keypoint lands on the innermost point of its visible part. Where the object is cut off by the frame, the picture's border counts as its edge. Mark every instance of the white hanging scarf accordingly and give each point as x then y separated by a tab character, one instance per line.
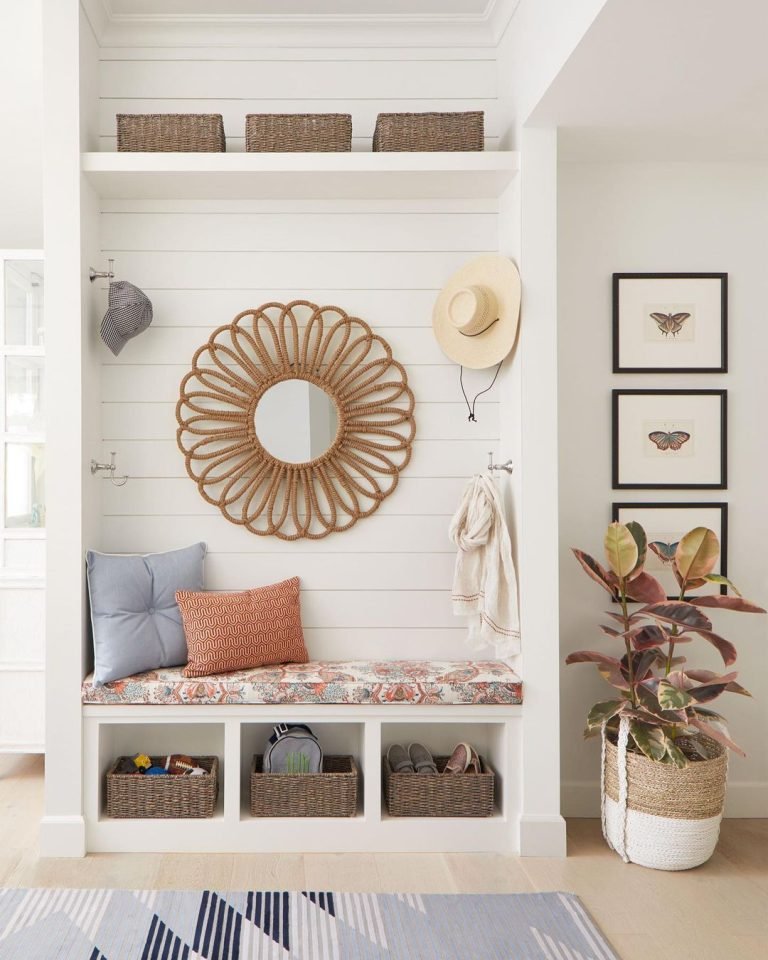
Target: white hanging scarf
485	581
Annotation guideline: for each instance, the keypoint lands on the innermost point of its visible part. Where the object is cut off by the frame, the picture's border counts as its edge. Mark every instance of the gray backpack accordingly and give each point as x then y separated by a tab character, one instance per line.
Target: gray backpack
293	748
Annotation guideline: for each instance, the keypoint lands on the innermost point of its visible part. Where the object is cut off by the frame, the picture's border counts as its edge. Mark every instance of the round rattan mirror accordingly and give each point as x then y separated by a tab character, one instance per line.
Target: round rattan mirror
295	420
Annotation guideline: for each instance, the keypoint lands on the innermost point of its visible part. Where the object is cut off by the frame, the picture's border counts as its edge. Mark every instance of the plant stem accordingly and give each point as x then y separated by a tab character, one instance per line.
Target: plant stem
674	632
627	642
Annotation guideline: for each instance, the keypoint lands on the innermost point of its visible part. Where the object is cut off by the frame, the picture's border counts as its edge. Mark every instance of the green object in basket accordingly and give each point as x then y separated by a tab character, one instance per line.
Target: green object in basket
296	763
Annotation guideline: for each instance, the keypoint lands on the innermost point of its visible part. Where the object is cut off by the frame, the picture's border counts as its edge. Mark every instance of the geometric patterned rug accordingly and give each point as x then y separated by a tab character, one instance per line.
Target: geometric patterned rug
64	924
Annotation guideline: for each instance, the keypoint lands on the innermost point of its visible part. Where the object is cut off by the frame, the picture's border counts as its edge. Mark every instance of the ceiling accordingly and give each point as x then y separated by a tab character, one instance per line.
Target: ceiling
257	9
683	79
339	23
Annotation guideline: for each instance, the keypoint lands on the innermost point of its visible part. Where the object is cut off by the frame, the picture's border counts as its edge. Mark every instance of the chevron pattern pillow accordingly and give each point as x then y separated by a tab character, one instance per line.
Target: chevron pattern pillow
234	631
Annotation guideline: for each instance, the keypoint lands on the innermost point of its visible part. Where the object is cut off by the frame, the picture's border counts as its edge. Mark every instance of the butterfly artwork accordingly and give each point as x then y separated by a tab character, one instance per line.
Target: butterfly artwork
664	551
672	440
670	324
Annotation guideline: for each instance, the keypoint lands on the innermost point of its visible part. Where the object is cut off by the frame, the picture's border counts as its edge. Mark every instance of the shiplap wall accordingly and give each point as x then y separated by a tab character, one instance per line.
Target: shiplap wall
234	82
382	588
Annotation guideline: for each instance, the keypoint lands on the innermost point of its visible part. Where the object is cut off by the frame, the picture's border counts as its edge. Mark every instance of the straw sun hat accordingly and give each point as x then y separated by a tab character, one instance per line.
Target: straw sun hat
476	314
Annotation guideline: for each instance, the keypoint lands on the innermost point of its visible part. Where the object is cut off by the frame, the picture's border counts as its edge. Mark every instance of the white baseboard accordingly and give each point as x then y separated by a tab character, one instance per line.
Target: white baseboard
542	836
62	837
744	800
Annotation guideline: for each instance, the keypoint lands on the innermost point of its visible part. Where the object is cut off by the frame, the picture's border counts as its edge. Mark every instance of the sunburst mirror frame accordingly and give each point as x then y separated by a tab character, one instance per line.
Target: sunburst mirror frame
335	352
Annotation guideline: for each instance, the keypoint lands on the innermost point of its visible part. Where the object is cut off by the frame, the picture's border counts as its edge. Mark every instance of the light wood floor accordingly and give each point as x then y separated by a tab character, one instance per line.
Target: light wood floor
718	912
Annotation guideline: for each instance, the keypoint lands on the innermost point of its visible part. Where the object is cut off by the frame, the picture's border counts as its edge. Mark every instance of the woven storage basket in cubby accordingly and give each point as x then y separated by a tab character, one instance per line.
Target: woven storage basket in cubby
430	795
171	133
332	793
298	132
417	132
136	796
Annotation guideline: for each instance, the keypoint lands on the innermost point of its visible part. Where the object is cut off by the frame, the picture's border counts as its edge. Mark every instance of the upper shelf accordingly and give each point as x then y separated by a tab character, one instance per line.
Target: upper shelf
365	176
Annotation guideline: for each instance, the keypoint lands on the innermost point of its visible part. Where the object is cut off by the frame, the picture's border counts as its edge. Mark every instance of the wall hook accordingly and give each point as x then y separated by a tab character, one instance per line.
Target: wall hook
109	468
507	466
102	274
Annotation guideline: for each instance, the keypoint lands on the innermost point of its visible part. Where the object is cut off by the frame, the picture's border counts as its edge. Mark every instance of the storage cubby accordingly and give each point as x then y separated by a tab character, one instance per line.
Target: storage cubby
491	740
336	739
156	739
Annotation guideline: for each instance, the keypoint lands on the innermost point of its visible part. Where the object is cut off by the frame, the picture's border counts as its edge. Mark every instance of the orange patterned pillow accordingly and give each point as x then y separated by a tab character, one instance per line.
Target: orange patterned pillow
234	631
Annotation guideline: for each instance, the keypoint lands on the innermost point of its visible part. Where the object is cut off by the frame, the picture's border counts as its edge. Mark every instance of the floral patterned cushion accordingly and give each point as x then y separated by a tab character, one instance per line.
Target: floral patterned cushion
323	681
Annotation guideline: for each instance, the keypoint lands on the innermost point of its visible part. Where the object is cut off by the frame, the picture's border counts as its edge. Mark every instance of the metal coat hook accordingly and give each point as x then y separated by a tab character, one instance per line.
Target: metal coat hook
507	466
109	468
102	274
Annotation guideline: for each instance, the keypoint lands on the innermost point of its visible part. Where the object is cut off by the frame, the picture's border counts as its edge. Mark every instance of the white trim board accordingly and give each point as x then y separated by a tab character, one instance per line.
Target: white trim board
317	30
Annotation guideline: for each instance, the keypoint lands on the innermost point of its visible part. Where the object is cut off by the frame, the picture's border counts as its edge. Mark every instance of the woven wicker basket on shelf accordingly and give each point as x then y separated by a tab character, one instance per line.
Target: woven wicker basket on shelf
171	133
452	795
173	796
298	132
416	132
332	793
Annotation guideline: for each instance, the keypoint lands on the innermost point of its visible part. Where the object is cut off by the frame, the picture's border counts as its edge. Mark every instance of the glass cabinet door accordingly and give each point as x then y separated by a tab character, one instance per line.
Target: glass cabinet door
23	303
22	412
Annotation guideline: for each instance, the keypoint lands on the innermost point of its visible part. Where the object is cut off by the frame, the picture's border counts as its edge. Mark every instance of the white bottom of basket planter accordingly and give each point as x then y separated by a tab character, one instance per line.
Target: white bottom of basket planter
661	843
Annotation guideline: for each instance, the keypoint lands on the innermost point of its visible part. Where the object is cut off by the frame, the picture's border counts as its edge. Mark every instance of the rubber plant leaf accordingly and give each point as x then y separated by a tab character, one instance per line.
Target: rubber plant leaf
723	581
650	740
645	589
620	550
649	636
596	571
679	612
697	553
671	697
724	647
675	754
713	731
591	656
641	542
727	603
603	711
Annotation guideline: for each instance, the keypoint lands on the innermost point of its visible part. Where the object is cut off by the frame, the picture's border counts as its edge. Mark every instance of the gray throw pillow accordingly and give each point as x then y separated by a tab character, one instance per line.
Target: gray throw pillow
136	621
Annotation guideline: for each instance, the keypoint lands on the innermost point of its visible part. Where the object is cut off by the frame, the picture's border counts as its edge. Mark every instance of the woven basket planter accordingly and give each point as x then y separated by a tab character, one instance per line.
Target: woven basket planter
298	132
136	796
417	132
171	133
332	793
427	795
657	815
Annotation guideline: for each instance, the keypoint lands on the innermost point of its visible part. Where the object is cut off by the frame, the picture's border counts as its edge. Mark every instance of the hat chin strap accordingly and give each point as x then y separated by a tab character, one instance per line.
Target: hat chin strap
471	406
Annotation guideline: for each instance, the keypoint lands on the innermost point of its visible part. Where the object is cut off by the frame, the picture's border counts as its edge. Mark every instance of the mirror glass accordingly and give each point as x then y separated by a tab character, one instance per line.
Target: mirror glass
296	421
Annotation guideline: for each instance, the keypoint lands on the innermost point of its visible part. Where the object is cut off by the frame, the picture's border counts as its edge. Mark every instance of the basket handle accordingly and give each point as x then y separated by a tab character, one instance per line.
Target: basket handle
621	762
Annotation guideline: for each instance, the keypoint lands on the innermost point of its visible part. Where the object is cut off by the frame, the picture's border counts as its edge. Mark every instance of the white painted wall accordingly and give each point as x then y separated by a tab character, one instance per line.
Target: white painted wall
533	49
21	82
668	217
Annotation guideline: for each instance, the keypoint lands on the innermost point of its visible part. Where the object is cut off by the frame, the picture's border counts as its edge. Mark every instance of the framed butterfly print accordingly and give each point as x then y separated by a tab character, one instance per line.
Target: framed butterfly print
664	525
670	322
669	439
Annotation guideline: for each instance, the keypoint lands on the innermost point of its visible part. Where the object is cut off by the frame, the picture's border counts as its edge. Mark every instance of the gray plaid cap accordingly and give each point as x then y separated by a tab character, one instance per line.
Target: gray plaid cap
129	314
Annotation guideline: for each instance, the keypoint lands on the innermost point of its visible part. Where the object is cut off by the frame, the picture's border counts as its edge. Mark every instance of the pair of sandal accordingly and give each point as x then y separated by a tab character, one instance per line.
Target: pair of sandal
417	759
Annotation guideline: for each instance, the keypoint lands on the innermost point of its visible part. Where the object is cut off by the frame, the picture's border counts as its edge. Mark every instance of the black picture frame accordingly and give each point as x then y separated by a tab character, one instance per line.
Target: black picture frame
722	506
616	426
722	277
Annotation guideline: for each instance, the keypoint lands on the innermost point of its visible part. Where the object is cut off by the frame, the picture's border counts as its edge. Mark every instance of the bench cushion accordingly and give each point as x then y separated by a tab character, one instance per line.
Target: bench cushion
323	681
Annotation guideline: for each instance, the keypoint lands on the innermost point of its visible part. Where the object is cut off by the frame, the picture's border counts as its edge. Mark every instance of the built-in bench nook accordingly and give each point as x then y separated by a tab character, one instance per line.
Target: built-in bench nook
356	707
368	235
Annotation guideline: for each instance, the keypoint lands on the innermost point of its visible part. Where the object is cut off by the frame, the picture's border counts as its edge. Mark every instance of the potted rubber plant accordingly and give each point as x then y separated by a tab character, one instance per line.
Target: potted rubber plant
664	748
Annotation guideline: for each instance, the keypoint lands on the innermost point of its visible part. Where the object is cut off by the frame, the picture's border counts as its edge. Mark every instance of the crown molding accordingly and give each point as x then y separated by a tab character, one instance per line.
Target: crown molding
300	30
